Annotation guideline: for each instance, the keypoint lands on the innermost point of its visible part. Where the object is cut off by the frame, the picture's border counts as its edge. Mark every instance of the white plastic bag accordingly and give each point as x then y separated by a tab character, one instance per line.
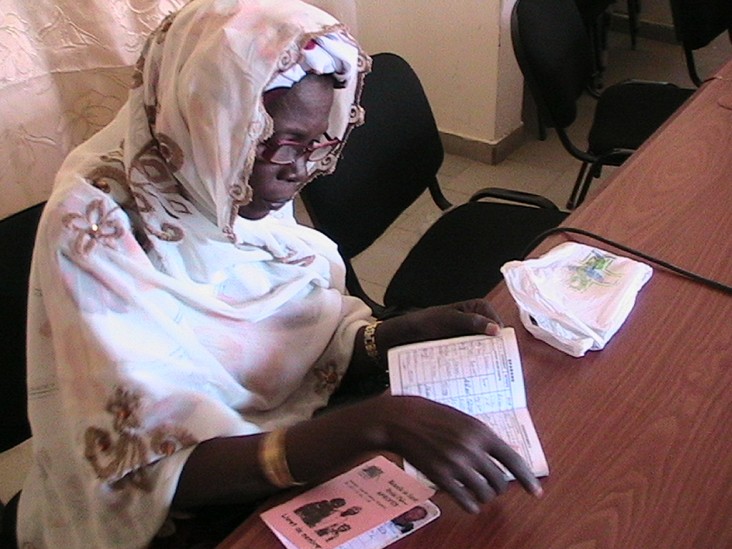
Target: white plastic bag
575	297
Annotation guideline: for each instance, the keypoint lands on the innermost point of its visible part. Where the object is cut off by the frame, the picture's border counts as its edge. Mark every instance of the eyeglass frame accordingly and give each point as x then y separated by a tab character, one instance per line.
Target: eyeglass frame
270	149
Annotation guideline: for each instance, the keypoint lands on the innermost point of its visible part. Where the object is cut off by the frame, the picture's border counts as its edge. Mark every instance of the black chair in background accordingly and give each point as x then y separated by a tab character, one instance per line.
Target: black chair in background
634	9
596	16
386	165
17	235
555	57
697	23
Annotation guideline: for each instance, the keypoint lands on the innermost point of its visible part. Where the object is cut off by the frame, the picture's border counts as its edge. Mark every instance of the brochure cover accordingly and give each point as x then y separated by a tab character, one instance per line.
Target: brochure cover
367	507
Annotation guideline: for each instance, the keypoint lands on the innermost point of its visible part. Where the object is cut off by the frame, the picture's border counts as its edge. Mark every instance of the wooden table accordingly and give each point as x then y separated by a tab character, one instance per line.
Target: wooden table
638	436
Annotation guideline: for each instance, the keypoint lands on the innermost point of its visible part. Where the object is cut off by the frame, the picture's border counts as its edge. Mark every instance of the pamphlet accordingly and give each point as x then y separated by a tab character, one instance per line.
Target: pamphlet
368	507
479	375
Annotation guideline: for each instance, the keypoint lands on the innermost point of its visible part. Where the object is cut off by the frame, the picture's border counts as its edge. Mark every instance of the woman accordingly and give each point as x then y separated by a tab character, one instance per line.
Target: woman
183	328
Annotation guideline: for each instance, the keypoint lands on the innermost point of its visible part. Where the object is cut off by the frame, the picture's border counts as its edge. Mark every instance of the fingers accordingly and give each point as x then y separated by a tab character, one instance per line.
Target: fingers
493	476
475	316
518	467
473	485
464	496
491	328
476	322
480	307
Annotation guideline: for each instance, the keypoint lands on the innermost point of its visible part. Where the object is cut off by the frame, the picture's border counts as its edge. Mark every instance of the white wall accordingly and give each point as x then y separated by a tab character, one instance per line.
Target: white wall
458	49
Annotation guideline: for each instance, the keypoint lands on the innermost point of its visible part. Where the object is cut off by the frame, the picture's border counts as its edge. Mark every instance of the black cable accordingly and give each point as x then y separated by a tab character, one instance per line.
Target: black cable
666	265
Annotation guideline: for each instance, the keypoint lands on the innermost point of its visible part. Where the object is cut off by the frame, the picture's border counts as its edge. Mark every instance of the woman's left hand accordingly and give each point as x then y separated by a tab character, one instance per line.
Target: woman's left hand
474	316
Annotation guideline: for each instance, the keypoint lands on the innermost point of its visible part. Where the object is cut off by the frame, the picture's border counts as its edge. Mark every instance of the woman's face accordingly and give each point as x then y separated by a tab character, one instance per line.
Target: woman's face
300	115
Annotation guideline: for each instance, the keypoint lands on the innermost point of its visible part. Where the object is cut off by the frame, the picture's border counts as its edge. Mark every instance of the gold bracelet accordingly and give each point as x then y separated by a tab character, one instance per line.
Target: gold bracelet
369	340
273	460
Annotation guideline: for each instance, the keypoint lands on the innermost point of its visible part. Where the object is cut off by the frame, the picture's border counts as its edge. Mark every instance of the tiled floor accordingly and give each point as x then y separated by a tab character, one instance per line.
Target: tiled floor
541	167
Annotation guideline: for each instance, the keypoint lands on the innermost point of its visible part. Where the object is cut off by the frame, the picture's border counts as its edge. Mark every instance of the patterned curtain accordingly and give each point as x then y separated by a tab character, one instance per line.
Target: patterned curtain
65	68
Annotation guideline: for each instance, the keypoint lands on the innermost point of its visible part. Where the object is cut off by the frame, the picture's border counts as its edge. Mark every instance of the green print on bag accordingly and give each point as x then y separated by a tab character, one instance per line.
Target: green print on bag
594	270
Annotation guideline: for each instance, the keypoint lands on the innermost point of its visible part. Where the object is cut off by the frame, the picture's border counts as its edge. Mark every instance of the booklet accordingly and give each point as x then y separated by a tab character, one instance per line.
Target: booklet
368	507
480	375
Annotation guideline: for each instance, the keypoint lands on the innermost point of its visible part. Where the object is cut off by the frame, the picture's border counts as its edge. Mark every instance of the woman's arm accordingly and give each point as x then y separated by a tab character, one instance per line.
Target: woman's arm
450	447
227	470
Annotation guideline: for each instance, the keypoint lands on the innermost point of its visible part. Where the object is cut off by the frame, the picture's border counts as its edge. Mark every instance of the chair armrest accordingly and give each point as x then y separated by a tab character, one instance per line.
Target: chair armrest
512	195
644	81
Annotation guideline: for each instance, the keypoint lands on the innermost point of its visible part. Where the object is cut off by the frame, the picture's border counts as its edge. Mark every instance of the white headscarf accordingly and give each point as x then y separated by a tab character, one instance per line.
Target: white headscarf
200	95
157	317
190	130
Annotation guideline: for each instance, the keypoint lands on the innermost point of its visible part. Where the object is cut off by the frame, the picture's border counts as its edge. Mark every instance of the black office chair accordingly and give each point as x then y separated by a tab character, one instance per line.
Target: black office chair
555	57
17	235
596	17
386	165
697	23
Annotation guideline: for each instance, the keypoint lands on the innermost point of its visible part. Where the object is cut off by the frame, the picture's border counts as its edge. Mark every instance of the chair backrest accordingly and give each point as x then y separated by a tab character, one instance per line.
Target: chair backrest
386	164
554	54
697	23
17	235
590	10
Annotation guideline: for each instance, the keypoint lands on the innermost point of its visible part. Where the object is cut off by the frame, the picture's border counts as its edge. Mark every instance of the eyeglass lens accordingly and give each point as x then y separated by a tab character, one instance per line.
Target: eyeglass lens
287	153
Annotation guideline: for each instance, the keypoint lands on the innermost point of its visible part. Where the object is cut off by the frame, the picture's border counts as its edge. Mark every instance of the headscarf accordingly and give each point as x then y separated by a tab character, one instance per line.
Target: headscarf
190	131
157	317
199	99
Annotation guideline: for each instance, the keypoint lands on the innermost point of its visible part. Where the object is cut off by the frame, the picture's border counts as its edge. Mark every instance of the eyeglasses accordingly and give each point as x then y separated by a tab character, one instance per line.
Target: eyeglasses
285	153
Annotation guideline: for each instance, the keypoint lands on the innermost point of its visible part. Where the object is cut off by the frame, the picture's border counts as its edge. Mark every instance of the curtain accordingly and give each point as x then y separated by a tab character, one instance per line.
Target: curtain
65	68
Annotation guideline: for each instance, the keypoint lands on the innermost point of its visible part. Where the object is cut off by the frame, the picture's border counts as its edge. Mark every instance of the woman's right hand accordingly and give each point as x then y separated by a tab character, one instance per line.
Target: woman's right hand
451	448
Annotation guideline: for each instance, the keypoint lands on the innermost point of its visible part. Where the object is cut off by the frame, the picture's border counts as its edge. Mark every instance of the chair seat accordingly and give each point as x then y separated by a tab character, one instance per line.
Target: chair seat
629	112
460	255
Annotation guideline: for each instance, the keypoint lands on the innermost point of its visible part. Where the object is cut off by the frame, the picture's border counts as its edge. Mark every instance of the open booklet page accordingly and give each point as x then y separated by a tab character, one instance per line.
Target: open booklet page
368	507
480	375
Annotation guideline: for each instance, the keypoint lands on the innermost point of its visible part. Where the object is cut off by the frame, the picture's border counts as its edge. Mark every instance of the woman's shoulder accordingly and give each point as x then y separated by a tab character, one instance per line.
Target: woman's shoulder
83	212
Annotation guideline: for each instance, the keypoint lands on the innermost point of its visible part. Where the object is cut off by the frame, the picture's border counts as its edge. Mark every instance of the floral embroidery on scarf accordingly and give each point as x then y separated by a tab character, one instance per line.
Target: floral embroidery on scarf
150	167
94	226
101	176
124	453
170	151
159	36
301	261
137	73
290	258
170	232
164	26
289	57
152	183
151	113
328	378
